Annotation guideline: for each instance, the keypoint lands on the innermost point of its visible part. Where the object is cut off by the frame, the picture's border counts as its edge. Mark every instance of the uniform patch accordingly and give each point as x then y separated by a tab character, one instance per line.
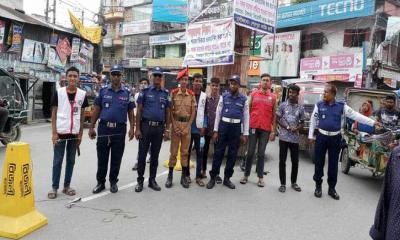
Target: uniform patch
107	97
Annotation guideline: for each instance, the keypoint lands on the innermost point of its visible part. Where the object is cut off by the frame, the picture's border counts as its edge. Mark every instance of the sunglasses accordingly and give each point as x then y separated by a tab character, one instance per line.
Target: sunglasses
157	75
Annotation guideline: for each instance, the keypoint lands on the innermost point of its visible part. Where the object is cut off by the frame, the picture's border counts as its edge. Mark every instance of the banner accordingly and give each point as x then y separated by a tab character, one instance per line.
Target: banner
284	56
323	11
210	43
174	11
92	34
167	39
16	40
339	67
35	52
76	42
256	15
205	10
63	49
2	34
54	61
136	27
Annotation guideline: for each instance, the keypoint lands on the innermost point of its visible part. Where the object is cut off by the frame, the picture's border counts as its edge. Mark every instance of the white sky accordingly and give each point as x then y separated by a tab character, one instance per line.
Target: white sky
62	17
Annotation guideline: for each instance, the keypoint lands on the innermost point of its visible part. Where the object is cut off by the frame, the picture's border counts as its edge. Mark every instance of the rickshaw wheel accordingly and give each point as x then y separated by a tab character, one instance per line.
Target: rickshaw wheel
13	136
346	161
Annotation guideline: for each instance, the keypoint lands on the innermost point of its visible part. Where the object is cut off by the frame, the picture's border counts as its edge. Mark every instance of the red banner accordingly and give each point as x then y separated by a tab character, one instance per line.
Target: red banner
2	34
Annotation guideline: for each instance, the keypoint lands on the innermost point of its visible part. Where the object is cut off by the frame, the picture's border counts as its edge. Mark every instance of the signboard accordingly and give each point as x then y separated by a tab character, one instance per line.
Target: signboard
174	11
107	42
2	34
342	67
166	39
284	56
35	52
205	10
256	49
16	40
133	63
254	67
130	3
136	27
63	49
323	11
75	49
256	15
53	39
390	77
210	43
393	26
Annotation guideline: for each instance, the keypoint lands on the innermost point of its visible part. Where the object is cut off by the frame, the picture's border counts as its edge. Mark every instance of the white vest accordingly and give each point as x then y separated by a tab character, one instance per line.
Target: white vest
201	105
69	114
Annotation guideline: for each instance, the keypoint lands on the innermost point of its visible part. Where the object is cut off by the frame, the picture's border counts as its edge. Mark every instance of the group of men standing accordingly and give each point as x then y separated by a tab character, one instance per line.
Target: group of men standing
187	117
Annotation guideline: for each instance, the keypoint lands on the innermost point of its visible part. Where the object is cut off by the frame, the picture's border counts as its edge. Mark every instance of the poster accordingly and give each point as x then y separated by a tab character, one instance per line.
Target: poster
210	43
256	15
76	42
84	50
174	11
205	10
53	39
63	49
284	56
338	67
35	52
54	61
2	34
16	40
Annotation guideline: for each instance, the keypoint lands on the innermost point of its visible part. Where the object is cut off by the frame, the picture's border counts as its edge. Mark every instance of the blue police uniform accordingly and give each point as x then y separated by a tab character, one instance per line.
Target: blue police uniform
233	115
329	119
114	107
155	103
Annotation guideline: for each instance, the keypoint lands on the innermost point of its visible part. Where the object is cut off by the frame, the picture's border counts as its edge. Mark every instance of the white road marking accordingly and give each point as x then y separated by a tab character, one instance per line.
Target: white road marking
105	193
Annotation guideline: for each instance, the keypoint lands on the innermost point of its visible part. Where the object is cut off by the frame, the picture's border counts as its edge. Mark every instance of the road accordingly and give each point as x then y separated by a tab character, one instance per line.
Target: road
249	212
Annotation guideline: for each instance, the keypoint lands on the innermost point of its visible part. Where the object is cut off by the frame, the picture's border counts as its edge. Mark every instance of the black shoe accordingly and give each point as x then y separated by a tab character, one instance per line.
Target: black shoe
184	181
211	183
134	167
153	185
168	183
218	179
333	194
113	188
139	186
100	187
228	183
318	192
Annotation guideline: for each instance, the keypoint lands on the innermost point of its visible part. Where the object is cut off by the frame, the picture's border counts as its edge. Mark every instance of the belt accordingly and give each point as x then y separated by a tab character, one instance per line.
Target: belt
181	119
328	133
153	123
231	120
112	124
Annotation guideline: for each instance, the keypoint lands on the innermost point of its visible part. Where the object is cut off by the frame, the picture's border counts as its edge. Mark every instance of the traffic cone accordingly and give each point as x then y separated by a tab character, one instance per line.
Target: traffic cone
18	215
178	166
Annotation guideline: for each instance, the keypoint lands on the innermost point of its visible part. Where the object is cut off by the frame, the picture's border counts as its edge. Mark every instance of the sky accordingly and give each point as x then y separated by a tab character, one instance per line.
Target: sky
62	17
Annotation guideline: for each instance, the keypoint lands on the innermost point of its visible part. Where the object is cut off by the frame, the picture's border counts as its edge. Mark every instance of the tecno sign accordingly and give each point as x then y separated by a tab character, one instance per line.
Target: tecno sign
347	6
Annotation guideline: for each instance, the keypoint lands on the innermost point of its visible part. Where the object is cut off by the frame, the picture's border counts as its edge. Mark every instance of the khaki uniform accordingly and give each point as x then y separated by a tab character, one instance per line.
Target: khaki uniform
181	111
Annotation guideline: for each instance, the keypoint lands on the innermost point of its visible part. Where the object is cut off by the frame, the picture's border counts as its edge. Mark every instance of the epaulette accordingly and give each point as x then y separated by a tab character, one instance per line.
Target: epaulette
190	92
174	91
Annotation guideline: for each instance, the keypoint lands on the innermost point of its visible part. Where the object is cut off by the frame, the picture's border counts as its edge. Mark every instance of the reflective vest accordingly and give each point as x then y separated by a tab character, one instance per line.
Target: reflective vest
69	113
261	111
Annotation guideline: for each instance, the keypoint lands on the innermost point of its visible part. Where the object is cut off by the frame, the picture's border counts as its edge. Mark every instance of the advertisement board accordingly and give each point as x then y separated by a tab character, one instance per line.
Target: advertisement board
205	10
136	27
210	43
35	52
2	34
166	39
283	57
174	11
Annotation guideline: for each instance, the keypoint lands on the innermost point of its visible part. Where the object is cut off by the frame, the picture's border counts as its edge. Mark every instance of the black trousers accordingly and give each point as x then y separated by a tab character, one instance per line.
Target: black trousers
206	148
152	138
294	155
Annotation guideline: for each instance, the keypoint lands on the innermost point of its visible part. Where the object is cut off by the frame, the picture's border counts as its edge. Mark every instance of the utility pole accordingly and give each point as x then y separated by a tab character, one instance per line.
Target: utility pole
370	54
51	9
47	10
54	11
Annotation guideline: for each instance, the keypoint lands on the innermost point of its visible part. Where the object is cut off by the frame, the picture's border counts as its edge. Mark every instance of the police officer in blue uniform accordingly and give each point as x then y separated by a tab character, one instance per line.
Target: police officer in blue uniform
327	117
231	127
151	126
113	106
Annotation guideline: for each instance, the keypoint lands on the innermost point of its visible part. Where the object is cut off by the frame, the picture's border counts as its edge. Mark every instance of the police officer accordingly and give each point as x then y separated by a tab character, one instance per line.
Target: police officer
151	125
232	114
328	113
113	105
183	112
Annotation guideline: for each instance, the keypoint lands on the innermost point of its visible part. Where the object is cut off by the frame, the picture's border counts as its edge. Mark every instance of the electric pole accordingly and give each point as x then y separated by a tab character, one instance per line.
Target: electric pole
51	9
54	11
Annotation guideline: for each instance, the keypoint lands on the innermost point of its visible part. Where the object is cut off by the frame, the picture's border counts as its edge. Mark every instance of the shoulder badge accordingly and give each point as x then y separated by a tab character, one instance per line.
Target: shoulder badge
174	91
190	92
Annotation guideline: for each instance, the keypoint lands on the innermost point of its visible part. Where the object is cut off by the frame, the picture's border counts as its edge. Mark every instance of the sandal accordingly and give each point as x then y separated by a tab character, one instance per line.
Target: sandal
200	182
296	187
52	194
69	191
282	189
244	180
261	183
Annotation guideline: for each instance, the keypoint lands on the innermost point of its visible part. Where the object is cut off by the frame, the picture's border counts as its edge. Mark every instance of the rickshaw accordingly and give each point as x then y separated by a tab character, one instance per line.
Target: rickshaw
368	151
13	99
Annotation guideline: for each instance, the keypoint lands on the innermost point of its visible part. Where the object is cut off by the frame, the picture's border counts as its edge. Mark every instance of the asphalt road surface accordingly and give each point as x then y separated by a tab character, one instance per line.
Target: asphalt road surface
249	212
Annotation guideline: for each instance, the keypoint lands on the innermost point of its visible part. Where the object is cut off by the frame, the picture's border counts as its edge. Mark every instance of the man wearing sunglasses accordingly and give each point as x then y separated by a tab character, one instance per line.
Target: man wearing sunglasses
152	119
113	106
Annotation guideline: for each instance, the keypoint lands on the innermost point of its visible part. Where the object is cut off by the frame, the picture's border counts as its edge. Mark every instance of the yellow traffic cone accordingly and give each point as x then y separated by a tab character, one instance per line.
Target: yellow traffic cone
178	166
18	215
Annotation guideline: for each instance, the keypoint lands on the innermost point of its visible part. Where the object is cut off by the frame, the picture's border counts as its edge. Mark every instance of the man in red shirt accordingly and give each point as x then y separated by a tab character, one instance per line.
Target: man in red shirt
262	108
